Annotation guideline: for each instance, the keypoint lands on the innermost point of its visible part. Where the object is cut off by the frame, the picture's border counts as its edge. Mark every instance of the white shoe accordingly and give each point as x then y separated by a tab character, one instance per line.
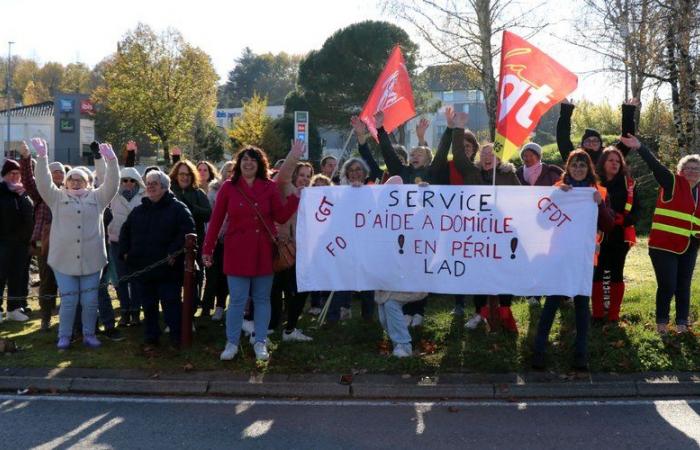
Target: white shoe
229	352
417	320
402	350
345	313
315	311
17	315
261	353
295	335
248	327
166	330
533	301
474	322
218	314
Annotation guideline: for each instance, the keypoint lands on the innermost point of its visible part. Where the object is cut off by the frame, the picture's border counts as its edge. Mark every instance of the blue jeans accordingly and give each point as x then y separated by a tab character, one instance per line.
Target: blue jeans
127	302
549	311
239	288
391	317
105	311
149	294
343	298
69	303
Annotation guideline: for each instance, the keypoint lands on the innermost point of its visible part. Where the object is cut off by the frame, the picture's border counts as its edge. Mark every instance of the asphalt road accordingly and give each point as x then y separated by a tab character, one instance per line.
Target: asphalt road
171	423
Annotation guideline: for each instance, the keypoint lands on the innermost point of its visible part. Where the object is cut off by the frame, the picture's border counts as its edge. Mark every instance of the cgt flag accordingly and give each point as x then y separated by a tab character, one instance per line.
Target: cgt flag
392	94
530	84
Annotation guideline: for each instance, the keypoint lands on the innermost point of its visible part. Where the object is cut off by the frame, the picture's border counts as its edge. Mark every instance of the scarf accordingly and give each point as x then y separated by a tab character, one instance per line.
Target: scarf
573	183
128	194
17	188
531	174
77	193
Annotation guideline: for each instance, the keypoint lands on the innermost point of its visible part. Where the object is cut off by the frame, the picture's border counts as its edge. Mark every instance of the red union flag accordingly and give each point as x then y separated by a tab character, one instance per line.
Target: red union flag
392	94
531	83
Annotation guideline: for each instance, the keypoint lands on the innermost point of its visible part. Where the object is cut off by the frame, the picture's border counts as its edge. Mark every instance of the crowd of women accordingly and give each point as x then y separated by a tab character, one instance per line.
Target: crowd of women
88	229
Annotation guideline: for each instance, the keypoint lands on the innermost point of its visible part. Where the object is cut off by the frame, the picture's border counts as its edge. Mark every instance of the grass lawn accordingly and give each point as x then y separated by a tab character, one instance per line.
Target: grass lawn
442	346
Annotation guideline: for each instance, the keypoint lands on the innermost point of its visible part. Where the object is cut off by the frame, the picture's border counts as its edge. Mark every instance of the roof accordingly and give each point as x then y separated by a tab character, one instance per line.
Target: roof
38	109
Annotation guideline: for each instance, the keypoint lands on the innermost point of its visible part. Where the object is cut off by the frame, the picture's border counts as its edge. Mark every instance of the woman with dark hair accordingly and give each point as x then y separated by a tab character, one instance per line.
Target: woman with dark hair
608	281
252	203
207	173
579	172
675	233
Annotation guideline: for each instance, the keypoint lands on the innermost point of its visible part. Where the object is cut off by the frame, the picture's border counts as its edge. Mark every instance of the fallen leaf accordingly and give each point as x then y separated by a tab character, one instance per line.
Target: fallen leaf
452	409
618	344
188	367
346	379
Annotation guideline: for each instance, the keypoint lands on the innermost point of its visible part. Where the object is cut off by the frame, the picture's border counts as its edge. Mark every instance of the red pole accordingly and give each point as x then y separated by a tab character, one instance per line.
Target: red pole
188	290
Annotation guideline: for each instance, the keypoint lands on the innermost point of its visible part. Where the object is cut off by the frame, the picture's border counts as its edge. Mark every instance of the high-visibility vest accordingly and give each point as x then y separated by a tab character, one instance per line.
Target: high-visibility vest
676	220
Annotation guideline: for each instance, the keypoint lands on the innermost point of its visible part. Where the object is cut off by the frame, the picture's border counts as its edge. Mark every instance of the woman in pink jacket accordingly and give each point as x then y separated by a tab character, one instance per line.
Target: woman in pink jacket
253	204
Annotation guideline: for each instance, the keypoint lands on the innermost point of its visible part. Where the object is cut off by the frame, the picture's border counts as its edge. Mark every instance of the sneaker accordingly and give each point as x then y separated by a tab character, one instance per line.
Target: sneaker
229	352
681	328
539	361
533	301
662	328
314	311
113	334
408	319
400	351
17	315
63	342
295	336
458	310
261	353
248	327
417	320
345	313
218	314
474	322
91	341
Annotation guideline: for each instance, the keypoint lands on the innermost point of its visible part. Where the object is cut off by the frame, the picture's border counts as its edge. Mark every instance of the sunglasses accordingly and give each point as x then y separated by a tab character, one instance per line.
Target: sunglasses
128	180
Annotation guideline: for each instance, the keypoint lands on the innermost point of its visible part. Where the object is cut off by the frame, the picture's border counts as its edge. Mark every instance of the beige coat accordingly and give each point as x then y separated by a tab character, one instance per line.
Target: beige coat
77	242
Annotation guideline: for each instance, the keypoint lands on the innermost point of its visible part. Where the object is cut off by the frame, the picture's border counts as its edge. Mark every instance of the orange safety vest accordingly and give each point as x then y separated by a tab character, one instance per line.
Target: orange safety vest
599	234
676	220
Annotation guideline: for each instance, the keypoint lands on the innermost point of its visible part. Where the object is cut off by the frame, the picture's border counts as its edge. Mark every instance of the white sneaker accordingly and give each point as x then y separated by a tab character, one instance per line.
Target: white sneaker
402	350
345	313
417	320
314	311
261	353
166	329
218	314
248	327
229	352
295	335
533	301
474	322
17	315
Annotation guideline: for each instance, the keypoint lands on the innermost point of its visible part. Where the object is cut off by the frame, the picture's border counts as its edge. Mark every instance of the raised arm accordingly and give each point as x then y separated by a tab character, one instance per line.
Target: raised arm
110	185
662	174
361	133
131	150
25	168
564	129
393	163
44	184
469	171
439	168
628	125
284	175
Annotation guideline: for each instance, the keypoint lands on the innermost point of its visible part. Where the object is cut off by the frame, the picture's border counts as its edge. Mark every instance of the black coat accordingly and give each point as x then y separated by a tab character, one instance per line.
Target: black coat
16	216
151	232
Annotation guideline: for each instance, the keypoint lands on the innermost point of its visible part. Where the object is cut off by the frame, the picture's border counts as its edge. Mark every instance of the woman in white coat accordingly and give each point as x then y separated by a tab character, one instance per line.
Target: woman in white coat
77	251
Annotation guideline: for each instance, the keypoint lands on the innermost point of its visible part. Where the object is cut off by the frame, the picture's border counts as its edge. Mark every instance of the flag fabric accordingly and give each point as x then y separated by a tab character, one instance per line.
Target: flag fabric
392	93
531	82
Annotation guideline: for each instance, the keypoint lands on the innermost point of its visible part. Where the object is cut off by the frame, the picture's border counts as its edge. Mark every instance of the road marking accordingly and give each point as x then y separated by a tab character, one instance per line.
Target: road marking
334	403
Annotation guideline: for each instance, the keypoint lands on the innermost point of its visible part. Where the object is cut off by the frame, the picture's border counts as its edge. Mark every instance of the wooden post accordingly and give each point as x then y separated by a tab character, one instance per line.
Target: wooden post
494	318
188	290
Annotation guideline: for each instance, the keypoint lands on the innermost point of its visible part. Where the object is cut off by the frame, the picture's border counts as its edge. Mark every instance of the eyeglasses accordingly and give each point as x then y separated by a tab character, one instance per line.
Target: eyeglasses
128	180
153	183
184	174
355	169
591	140
691	169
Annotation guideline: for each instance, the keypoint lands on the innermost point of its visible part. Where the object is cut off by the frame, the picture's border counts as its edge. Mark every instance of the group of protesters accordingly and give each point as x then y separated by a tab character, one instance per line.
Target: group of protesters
126	228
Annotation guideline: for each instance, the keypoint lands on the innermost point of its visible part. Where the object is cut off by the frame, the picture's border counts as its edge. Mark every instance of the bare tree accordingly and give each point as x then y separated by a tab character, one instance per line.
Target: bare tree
468	33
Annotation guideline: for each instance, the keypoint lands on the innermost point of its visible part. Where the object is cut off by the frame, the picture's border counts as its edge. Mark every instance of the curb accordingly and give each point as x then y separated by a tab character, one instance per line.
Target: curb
508	387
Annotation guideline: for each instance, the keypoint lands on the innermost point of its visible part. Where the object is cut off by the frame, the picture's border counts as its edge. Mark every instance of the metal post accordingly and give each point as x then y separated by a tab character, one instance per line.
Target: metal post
188	290
8	81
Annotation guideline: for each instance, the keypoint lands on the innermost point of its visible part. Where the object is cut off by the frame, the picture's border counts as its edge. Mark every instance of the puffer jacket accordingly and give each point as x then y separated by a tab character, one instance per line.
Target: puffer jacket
16	216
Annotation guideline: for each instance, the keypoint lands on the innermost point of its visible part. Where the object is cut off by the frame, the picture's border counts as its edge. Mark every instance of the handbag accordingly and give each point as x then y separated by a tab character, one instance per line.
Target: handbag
284	253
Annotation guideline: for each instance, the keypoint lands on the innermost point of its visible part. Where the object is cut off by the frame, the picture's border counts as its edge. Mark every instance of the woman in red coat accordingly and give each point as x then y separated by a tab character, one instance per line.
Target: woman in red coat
253	203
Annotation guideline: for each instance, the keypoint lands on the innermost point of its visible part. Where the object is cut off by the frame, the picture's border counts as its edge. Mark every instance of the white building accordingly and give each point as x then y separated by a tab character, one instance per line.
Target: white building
225	116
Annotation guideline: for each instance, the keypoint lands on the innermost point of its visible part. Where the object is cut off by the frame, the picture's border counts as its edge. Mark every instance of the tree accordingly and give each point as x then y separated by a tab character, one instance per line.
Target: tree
468	34
157	84
76	78
272	76
249	127
210	141
336	80
35	93
51	76
24	72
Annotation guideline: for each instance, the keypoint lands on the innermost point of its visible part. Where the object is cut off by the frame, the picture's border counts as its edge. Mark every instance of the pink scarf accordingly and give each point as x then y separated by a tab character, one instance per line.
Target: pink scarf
17	188
77	192
531	174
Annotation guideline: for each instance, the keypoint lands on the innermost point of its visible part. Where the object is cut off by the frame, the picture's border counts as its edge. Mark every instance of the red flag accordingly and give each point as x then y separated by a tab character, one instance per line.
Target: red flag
531	82
392	94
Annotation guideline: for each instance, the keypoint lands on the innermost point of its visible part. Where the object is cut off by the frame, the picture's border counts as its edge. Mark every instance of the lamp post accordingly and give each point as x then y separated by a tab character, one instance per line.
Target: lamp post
625	33
7	94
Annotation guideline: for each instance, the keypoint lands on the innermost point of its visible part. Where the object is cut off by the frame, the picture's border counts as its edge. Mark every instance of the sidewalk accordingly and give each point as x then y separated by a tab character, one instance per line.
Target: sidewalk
510	387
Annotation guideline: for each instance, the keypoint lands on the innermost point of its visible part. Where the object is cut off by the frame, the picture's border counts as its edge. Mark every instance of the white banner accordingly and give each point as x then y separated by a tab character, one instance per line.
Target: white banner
447	239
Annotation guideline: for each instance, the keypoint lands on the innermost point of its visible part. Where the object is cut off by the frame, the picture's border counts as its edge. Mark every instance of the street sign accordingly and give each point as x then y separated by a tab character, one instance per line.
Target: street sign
301	125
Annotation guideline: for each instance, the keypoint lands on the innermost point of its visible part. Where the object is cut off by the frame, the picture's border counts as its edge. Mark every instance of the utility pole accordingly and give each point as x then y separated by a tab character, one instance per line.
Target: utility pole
6	153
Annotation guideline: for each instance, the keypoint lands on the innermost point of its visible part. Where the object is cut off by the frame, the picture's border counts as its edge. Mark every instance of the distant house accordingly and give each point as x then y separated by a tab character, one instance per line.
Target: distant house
225	116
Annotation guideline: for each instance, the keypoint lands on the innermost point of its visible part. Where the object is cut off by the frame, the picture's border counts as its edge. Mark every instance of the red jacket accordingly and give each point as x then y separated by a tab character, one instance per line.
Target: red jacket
247	244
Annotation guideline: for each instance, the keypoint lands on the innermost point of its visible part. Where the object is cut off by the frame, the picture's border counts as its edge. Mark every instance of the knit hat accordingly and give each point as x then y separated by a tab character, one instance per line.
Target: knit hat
56	165
590	132
78	173
533	147
9	166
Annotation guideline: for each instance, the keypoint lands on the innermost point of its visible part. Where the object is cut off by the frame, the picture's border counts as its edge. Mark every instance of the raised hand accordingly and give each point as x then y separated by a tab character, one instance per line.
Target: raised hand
360	129
107	152
24	150
176	151
40	147
421	128
460	120
630	141
378	119
450	117
632	101
131	146
297	150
